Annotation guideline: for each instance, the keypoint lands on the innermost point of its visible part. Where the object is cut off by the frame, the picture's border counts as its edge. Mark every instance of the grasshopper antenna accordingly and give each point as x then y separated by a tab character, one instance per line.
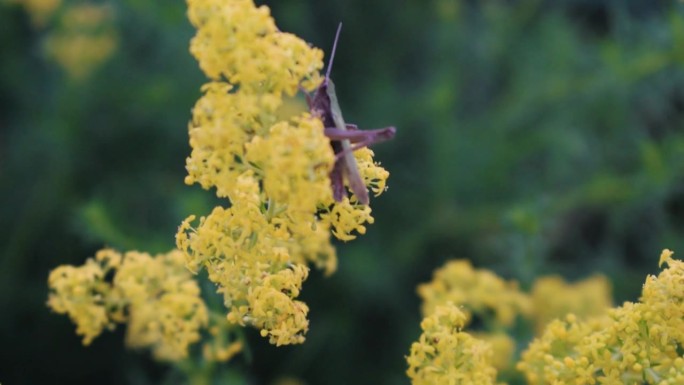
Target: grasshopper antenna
332	54
330	62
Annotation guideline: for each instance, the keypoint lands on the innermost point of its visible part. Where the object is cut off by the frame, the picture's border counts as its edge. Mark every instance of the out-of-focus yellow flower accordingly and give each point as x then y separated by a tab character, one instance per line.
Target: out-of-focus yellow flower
665	257
83	39
290	107
447	10
40	11
635	343
165	310
156	296
82	293
503	348
552	297
444	354
478	292
273	172
219	353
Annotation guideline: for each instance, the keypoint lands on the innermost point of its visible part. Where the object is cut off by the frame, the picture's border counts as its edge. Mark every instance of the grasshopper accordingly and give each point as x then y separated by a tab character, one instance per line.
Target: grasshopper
344	138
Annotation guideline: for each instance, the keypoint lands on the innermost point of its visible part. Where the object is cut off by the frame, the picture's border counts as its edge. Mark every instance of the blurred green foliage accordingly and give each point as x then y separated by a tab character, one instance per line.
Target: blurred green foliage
534	137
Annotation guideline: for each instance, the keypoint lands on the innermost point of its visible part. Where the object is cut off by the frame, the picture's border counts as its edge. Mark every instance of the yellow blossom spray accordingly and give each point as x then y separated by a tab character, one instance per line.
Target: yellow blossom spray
279	211
276	174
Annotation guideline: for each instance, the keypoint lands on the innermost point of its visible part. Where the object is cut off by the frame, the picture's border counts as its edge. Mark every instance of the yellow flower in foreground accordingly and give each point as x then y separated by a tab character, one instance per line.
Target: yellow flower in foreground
156	296
444	354
551	358
635	343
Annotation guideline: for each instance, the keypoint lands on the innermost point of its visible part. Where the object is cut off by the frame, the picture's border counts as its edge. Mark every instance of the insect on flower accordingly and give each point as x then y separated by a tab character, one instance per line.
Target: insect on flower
344	138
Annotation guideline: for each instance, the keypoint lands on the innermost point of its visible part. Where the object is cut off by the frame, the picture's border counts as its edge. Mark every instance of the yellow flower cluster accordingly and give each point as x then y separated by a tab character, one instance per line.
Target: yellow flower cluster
635	343
496	303
478	292
274	172
155	296
83	39
83	294
444	354
240	42
374	176
553	298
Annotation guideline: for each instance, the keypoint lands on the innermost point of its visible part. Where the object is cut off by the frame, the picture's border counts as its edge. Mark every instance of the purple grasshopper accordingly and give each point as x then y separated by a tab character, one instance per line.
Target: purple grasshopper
344	138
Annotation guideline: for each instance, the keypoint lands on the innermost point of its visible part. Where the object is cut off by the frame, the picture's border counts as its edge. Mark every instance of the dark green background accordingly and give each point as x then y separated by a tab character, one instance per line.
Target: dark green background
534	137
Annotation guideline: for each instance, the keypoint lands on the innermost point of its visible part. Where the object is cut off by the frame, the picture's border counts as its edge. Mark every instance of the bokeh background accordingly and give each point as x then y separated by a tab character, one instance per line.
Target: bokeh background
535	137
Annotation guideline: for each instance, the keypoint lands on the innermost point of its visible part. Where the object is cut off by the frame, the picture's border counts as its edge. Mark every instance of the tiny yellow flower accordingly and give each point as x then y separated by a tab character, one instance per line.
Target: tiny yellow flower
665	257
